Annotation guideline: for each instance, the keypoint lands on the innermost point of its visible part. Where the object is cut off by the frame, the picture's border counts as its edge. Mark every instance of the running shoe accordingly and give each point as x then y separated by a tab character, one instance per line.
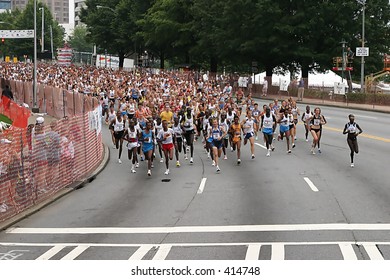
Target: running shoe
166	172
253	156
149	173
293	145
119	161
319	151
218	169
269	153
352	165
191	160
161	160
185	157
272	148
113	146
213	164
238	161
257	138
178	163
295	138
307	140
133	170
289	151
142	158
225	157
137	165
231	149
152	165
312	151
208	155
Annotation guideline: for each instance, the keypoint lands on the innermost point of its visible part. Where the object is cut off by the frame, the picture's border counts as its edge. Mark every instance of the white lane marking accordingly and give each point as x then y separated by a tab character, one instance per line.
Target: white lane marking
51	253
202	185
366	117
277	251
75	252
198	229
348	252
373	252
264	147
141	252
113	245
162	252
252	253
311	185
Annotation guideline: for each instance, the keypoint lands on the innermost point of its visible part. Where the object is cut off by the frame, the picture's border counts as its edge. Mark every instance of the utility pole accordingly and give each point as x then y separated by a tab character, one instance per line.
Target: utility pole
43	29
363	2
35	108
51	42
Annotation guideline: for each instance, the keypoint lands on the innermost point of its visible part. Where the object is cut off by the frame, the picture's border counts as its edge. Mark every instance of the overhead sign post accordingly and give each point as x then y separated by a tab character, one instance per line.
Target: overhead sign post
362	51
17	34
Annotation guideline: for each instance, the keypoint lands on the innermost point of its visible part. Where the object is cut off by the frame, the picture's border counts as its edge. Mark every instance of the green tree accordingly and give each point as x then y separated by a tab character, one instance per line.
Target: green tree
25	20
78	39
112	25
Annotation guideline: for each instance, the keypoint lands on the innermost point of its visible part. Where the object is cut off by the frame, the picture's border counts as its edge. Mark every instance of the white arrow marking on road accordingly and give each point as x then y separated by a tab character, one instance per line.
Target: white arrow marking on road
141	252
75	252
373	252
277	251
202	185
162	252
253	252
264	147
51	253
311	185
348	252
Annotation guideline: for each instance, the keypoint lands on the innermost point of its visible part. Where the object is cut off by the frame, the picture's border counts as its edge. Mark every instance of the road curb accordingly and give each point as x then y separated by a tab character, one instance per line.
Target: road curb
337	105
75	186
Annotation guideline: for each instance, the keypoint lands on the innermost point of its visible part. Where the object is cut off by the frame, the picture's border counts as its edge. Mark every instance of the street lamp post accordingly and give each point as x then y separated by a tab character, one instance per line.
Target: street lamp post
43	29
35	108
363	3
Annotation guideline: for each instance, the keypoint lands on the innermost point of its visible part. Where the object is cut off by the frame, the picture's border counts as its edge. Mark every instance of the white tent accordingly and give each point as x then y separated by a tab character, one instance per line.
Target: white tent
316	79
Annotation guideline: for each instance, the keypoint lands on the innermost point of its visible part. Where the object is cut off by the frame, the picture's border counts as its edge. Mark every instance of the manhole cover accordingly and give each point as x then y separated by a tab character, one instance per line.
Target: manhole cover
165	180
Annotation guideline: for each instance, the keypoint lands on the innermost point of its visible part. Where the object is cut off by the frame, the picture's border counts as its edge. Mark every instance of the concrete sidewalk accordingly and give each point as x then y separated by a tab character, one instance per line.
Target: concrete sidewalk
327	102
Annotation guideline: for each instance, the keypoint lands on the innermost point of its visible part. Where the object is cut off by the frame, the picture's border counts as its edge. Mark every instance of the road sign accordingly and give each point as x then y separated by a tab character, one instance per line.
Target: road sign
17	34
339	88
362	51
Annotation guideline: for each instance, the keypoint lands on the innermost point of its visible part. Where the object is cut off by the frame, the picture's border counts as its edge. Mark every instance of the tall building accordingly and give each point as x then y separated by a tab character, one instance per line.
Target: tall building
59	8
5	5
78	6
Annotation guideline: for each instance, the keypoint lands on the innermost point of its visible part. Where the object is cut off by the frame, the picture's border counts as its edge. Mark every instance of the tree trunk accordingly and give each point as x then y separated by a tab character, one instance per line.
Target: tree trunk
213	66
305	75
121	60
162	60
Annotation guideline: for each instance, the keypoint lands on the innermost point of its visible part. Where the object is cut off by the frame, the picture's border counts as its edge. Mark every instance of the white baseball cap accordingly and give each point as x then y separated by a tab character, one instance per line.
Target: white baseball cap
40	120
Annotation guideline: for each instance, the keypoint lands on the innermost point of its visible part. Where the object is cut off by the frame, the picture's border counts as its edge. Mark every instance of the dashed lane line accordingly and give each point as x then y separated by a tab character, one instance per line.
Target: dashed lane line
202	185
253	252
348	252
311	184
262	146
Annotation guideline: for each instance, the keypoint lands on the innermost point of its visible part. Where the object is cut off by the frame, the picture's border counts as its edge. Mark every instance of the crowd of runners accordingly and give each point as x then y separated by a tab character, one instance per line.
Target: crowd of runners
162	122
159	116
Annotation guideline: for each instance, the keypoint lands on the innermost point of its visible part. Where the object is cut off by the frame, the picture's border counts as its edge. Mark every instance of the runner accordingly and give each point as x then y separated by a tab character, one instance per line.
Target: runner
217	133
179	145
131	136
316	122
353	130
295	112
319	138
230	118
292	126
111	116
119	130
147	140
267	125
166	137
256	114
248	128
158	127
188	123
235	131
306	117
225	141
284	128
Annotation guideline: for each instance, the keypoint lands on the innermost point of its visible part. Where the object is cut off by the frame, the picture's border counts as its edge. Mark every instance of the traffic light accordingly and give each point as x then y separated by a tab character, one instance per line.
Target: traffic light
2	40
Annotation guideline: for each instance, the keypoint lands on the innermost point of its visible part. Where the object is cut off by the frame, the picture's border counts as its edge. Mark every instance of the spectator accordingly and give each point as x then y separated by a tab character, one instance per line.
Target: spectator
301	89
8	93
265	87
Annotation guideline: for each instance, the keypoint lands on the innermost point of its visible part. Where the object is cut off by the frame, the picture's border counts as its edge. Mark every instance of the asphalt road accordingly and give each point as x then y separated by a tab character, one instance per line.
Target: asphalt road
294	207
